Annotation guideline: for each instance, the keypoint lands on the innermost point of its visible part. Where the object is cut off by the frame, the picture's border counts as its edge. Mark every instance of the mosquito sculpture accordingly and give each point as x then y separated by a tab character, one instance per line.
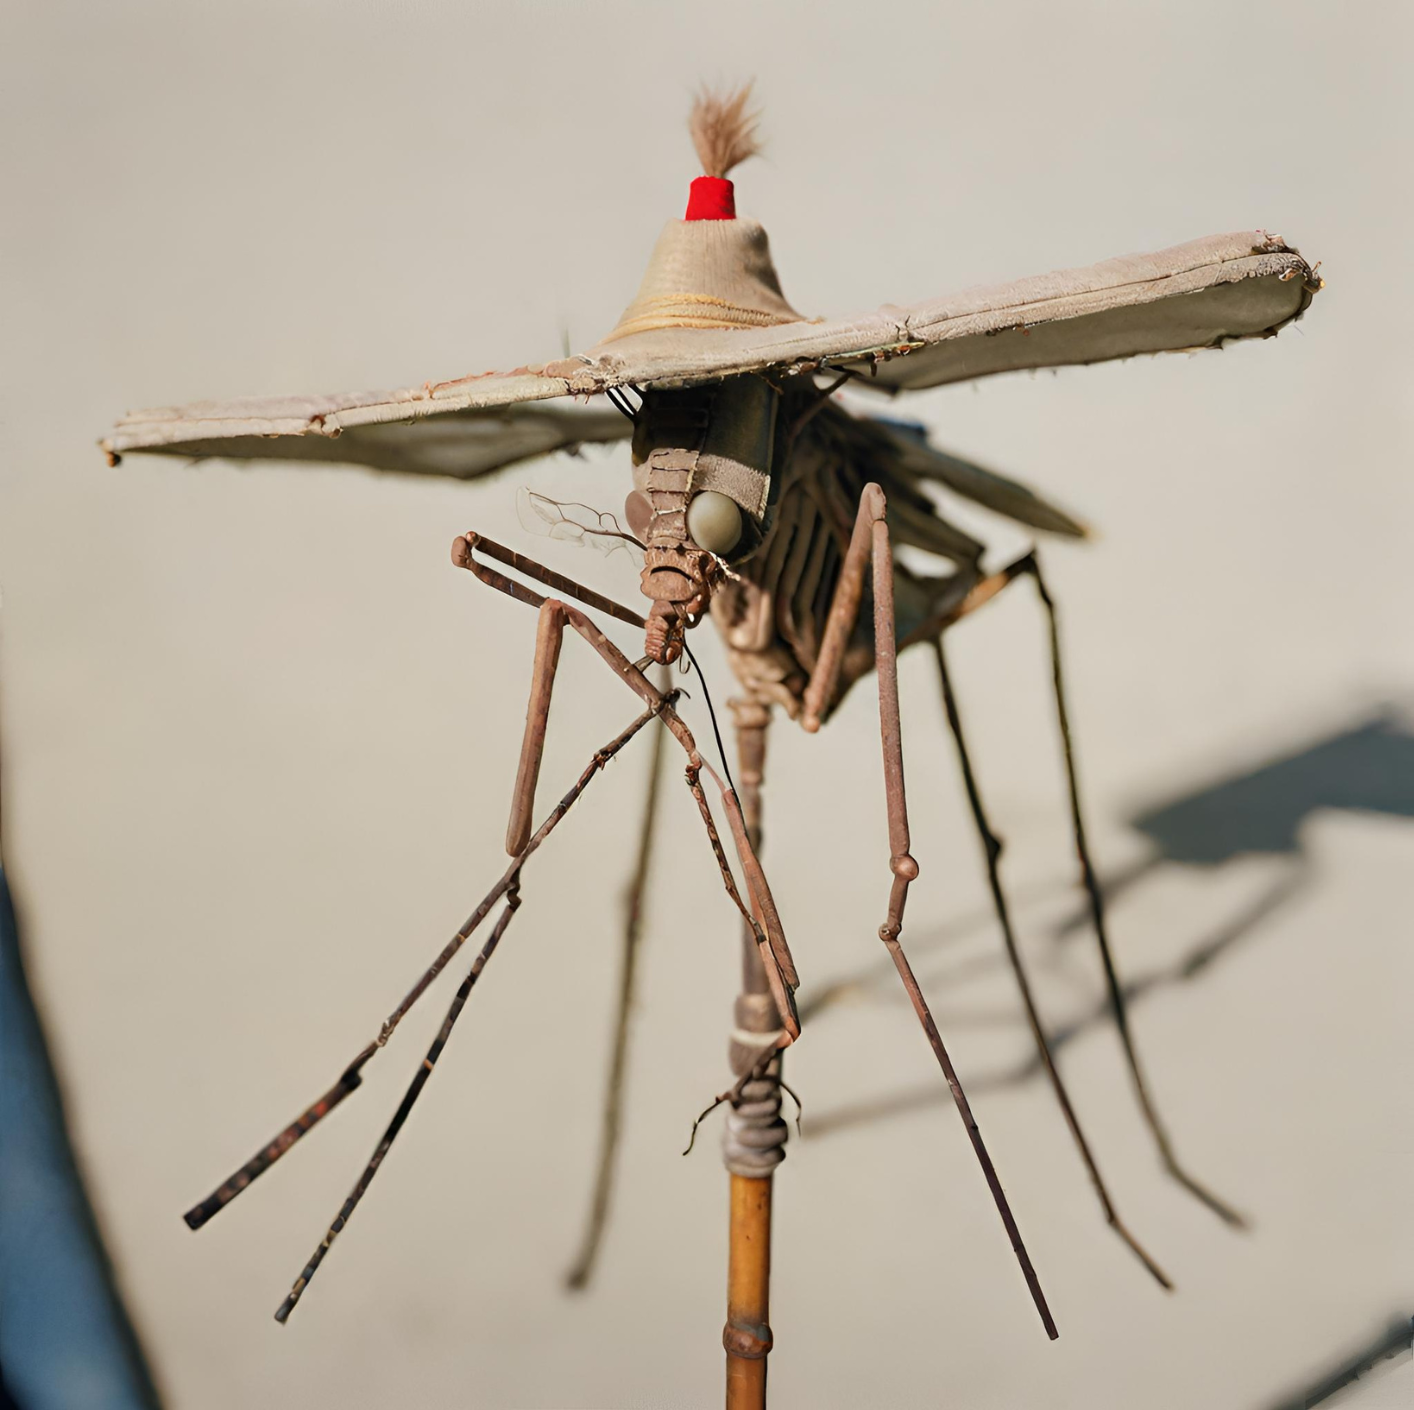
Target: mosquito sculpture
759	501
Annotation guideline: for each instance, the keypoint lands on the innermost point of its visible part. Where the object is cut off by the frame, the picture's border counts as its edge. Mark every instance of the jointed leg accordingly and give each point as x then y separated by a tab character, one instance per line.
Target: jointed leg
512	895
549	637
1097	915
762	918
350	1080
992	848
871	540
555	616
404	1107
464	556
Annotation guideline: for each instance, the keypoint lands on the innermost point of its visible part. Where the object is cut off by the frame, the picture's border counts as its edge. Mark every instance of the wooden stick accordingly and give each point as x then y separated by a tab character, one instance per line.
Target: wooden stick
512	900
992	851
351	1079
747	1335
1091	883
870	542
404	1110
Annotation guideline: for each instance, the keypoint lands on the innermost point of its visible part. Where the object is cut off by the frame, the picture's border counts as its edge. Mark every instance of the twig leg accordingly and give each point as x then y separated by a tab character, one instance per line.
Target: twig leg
871	541
555	616
511	892
992	848
549	638
1097	916
405	1107
351	1078
761	919
464	556
762	916
582	1270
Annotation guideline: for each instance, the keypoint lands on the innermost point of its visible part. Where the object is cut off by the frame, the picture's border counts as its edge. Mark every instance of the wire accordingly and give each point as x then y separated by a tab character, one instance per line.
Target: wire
711	713
621	403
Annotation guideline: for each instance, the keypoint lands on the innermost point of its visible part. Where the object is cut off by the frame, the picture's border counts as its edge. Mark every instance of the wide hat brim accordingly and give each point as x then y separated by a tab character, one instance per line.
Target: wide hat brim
1198	295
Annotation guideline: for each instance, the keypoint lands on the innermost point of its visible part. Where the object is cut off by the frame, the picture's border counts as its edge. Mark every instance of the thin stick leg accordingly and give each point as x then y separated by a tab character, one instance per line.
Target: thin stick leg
1097	916
611	1124
659	705
992	848
350	1080
549	638
770	939
264	1158
512	897
871	539
555	616
980	594
464	556
404	1107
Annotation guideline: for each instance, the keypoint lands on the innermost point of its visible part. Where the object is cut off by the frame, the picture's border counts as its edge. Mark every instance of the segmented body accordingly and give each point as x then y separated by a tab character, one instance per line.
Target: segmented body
771	614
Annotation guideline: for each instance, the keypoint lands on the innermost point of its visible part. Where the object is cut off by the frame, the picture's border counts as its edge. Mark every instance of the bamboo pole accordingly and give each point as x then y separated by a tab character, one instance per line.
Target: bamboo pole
747	1336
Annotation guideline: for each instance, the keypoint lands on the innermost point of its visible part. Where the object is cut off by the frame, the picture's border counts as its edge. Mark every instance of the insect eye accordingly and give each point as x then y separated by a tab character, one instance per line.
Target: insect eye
714	522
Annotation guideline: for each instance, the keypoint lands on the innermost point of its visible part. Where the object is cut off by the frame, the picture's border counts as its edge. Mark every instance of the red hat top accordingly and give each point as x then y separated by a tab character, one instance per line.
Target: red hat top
724	133
712	269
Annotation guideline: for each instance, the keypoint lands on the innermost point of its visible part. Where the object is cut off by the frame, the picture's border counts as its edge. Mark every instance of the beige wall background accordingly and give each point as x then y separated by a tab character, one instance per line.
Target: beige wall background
259	736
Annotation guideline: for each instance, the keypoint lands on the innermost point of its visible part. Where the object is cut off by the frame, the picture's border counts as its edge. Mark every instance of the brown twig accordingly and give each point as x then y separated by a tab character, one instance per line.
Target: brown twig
1199	1191
992	849
269	1154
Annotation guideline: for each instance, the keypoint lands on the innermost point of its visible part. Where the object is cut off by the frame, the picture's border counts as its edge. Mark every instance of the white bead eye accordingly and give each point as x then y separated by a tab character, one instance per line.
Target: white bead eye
714	521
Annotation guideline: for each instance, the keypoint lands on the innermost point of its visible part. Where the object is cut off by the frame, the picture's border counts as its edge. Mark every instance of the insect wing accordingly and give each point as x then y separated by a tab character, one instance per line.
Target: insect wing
400	432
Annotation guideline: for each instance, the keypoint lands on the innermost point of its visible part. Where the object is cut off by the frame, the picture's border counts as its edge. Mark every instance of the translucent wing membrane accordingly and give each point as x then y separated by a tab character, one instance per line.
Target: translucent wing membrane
574	523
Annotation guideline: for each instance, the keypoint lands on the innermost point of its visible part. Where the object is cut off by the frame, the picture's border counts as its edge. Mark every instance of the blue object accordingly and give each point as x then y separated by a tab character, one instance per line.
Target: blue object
65	1340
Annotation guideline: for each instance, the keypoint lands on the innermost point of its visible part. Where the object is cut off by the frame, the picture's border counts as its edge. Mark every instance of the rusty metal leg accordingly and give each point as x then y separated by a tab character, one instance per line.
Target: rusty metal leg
870	544
755	1136
992	851
1091	882
549	638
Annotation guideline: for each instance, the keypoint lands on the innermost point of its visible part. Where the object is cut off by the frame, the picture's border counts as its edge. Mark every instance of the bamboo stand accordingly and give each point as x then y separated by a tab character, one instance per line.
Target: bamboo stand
747	1335
755	1136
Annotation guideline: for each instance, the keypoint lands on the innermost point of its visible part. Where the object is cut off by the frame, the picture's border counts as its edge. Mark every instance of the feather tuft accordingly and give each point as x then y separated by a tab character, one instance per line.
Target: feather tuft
723	129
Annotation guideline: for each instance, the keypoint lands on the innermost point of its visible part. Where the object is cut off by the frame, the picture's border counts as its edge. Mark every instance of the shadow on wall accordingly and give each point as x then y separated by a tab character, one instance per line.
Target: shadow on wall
1368	767
1395	1343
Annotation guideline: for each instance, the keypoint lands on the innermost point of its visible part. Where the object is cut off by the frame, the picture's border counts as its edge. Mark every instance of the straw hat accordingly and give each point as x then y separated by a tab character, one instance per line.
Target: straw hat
712	268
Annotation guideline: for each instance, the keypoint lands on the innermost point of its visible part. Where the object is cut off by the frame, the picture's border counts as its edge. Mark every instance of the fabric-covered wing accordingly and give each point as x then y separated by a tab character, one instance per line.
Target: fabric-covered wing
1198	295
917	457
349	430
